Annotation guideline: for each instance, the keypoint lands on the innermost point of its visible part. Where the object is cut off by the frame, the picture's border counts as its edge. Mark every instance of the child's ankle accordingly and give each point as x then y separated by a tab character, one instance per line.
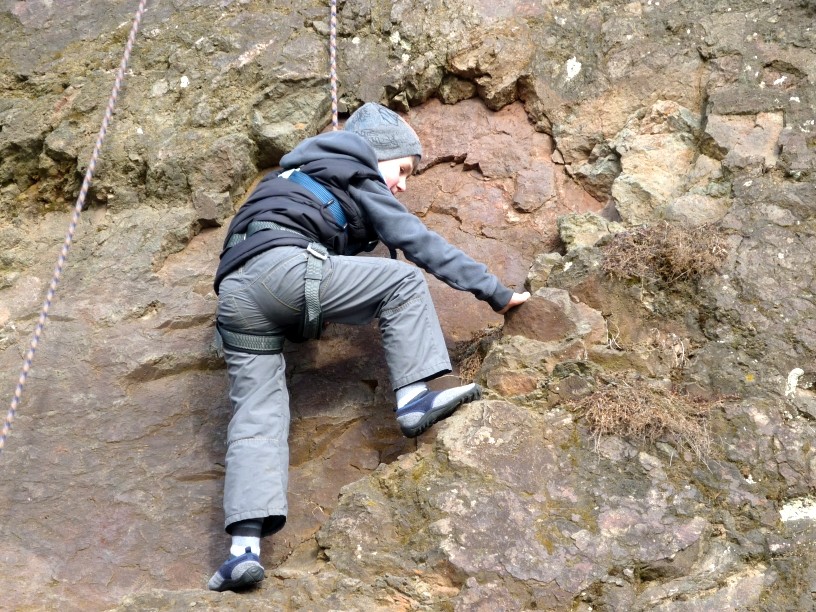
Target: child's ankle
408	392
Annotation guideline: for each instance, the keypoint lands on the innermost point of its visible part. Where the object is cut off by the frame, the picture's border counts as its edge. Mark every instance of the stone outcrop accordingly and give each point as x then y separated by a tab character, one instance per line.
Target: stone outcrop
549	129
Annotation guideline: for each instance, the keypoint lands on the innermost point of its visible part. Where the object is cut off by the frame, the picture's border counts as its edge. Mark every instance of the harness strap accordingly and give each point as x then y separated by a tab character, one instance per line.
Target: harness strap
320	192
267	344
312	315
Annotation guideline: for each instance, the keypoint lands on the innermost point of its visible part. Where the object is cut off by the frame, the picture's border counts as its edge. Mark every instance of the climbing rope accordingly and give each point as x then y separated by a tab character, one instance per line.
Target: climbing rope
69	236
86	183
333	61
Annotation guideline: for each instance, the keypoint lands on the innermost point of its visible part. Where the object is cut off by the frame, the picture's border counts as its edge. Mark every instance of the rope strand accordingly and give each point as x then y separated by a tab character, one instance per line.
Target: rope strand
333	62
69	236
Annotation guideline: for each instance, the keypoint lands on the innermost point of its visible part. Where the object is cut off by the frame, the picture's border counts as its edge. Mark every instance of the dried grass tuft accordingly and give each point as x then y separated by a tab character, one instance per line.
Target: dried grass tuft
664	253
641	411
469	355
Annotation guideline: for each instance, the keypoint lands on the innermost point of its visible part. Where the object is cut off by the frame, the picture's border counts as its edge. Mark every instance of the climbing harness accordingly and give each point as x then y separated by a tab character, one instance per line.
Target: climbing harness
69	236
311	324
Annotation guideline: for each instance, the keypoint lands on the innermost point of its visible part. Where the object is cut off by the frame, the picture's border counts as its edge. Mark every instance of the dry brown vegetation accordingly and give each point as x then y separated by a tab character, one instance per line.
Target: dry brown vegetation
642	411
469	355
664	253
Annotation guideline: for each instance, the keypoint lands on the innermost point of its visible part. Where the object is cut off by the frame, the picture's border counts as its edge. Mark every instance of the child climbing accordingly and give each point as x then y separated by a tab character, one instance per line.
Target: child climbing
288	266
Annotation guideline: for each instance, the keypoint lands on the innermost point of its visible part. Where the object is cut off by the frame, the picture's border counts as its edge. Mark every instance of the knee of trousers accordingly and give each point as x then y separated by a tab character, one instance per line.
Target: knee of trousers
412	277
409	286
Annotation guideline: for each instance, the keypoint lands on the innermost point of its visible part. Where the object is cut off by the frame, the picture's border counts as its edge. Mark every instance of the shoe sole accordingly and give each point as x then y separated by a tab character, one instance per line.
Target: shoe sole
253	575
439	413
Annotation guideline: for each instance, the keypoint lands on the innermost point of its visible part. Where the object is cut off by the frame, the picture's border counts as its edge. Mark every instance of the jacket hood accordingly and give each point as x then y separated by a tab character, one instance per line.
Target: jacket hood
338	145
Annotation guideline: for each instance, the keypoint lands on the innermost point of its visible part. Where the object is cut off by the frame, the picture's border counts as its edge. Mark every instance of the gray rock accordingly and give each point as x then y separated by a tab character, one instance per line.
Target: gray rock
694	210
540	270
585	230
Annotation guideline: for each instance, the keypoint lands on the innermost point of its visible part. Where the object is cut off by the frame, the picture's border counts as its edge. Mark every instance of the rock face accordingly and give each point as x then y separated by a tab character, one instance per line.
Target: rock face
548	129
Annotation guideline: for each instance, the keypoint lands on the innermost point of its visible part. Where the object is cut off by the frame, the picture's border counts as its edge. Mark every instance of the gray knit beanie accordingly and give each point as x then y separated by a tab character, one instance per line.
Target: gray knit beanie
387	132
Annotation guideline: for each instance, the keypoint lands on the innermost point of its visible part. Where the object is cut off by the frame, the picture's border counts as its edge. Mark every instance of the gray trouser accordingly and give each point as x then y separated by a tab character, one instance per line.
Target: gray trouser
266	295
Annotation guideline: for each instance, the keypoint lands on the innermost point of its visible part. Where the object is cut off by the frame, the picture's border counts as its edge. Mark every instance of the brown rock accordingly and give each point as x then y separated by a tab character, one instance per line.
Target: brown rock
540	319
484	218
510	384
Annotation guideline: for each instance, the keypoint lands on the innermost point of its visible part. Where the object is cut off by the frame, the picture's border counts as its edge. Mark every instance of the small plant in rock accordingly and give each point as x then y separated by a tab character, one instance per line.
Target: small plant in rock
642	411
664	253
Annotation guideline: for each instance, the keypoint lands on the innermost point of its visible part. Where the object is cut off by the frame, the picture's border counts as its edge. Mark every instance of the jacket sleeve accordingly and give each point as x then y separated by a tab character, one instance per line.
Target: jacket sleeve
398	228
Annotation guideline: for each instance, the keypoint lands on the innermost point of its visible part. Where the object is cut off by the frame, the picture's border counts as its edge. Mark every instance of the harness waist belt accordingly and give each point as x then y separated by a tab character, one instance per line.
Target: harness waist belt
257	226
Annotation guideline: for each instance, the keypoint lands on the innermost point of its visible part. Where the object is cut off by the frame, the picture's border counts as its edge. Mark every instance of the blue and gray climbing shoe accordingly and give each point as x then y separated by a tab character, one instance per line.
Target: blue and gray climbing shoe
237	573
431	407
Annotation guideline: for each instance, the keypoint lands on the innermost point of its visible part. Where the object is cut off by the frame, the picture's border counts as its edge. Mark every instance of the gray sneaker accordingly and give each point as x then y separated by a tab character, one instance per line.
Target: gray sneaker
430	407
237	573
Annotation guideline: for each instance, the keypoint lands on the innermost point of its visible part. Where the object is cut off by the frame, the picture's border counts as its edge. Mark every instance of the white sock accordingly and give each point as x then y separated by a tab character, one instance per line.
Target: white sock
240	543
408	392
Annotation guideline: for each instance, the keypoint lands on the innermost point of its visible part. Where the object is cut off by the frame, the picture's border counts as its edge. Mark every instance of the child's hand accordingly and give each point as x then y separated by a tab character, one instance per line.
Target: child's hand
518	298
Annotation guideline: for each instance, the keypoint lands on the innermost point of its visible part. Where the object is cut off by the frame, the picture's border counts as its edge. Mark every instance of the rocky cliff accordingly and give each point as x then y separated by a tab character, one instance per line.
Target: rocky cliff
645	168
